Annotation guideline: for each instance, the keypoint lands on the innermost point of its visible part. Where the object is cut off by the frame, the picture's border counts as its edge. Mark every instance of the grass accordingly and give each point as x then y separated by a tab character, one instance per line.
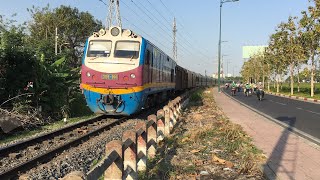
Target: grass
196	98
304	90
175	159
48	127
160	167
236	145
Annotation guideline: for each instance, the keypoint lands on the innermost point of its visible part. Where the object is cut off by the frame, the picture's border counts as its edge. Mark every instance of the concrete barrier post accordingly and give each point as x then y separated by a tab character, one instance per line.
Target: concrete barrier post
179	104
166	120
114	171
175	109
172	118
152	136
129	149
141	146
160	125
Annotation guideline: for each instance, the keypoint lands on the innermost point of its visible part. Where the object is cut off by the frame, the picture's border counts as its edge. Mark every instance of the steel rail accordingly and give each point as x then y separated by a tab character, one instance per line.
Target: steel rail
45	157
29	142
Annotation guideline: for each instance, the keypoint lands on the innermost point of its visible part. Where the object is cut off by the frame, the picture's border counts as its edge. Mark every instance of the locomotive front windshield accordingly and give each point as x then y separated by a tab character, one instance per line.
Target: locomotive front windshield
127	49
99	48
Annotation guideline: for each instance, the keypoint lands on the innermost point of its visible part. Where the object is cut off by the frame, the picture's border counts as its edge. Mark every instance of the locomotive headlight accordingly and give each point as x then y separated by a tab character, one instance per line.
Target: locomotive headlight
133	76
115	31
88	74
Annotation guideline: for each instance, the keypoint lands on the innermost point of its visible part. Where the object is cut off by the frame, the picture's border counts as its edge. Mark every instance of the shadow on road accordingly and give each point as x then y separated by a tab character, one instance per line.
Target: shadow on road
284	152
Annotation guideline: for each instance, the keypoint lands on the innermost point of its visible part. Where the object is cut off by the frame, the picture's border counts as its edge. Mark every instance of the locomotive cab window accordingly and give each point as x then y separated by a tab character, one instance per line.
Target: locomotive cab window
99	48
127	49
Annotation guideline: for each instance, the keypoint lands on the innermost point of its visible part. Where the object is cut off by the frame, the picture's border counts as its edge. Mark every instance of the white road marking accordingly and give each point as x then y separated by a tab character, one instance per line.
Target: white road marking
313	112
308	111
278	103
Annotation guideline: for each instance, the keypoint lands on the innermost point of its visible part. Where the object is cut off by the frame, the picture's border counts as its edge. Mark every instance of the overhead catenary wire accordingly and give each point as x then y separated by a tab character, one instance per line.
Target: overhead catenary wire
165	25
170	11
185	50
147	35
187	43
141	19
184	45
165	33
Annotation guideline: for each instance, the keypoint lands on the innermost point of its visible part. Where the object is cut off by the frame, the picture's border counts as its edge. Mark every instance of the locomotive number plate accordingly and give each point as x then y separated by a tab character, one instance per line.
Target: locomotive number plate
110	76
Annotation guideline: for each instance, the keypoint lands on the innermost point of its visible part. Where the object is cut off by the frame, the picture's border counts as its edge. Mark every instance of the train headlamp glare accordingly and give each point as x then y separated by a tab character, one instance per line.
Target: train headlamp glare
88	74
133	76
115	31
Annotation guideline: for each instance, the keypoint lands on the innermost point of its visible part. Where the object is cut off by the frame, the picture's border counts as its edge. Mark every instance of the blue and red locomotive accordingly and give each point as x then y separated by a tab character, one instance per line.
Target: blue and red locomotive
123	72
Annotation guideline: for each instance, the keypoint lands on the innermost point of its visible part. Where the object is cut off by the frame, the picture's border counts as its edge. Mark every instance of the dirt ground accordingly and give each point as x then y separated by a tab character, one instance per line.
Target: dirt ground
206	145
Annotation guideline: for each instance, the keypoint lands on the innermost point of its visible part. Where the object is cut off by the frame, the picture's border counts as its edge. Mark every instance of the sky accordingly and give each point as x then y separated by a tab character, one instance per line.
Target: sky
246	22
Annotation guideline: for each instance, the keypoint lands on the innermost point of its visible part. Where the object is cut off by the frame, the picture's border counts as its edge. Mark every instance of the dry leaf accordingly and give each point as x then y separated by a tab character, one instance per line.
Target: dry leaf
185	139
198	162
229	164
216	159
195	151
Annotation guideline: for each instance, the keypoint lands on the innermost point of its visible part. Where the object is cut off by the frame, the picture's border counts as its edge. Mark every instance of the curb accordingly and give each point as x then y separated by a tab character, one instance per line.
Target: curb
266	170
304	99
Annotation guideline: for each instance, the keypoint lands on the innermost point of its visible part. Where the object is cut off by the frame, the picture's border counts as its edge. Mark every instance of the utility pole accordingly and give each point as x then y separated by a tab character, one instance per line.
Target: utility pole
114	14
219	45
175	50
56	42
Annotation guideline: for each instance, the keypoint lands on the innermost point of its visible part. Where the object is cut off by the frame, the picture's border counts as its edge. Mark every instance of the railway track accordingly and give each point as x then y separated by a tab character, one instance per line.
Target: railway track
22	156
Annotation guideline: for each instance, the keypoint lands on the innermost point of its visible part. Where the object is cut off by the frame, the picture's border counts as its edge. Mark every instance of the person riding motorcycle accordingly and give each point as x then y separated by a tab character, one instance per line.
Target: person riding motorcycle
260	91
233	88
247	89
254	87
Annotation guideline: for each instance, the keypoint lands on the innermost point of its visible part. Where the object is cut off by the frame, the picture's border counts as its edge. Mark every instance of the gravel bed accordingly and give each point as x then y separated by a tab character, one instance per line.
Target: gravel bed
82	157
43	131
15	158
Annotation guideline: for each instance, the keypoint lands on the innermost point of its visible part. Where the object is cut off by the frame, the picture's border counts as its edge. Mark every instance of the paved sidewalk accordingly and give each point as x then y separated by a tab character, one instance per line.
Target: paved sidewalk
289	156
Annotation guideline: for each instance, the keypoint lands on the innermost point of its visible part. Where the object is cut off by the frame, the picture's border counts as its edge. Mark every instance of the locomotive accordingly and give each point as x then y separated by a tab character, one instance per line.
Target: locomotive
122	73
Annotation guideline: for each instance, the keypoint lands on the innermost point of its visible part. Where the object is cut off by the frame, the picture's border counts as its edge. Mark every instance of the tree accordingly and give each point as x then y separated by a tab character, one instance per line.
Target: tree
61	71
311	37
30	57
293	50
73	26
277	54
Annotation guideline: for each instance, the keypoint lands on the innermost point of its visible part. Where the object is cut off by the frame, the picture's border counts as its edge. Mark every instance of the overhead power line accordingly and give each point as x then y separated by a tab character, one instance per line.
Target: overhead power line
178	22
166	36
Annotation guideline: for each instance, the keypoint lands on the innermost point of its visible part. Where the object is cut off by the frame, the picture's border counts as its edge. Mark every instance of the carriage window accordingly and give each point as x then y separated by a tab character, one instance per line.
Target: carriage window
127	49
99	48
147	59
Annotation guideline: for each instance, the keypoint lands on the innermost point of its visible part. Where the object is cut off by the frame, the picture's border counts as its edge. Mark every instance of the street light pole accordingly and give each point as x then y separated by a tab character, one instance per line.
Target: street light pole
219	50
219	46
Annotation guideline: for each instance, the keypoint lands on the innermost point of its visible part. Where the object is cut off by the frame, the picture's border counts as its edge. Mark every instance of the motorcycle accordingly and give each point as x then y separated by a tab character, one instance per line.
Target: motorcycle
248	92
260	94
233	91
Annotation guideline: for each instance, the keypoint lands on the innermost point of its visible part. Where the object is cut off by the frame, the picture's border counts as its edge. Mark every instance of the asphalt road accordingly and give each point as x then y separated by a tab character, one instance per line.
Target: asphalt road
303	116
